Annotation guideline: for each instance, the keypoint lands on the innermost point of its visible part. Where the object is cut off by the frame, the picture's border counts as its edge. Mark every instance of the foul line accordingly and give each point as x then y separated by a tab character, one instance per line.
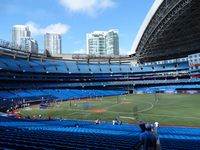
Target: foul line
132	118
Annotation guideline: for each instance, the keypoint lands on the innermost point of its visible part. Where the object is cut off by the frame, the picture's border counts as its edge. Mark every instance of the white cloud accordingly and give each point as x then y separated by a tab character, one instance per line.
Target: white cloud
80	51
36	29
90	7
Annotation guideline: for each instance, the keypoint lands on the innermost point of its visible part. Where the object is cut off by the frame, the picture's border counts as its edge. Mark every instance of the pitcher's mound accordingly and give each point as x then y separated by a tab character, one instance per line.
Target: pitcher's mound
97	110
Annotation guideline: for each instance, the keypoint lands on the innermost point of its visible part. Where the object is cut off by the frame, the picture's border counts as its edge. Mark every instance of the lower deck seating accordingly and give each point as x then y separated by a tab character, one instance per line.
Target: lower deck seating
63	134
58	93
179	138
21	96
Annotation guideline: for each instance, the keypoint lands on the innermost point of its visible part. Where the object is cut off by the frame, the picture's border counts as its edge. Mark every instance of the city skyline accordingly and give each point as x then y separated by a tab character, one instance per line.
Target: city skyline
73	19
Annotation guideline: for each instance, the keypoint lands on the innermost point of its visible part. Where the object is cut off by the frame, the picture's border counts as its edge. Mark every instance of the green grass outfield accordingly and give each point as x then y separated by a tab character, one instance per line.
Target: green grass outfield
181	110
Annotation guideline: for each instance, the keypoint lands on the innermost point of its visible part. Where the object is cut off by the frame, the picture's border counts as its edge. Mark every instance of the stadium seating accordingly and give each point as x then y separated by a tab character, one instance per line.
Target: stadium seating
61	134
179	138
165	89
60	66
96	74
23	96
65	134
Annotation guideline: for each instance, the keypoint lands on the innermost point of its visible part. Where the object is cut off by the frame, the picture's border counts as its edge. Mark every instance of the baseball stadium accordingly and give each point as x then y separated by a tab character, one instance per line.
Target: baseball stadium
98	102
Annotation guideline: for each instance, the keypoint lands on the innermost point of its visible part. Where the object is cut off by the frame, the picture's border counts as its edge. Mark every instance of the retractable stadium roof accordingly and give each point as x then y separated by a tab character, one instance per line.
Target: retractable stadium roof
170	30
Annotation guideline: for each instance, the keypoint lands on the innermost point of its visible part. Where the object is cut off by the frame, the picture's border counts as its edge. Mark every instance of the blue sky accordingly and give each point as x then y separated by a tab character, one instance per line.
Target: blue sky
74	18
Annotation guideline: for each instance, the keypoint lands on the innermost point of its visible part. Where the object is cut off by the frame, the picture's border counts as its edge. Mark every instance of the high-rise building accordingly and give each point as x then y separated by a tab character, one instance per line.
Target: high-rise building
21	36
96	43
103	42
112	42
19	32
52	43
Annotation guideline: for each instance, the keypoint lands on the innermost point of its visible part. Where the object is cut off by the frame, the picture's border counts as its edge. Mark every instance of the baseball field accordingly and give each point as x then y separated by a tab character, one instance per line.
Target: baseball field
180	110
